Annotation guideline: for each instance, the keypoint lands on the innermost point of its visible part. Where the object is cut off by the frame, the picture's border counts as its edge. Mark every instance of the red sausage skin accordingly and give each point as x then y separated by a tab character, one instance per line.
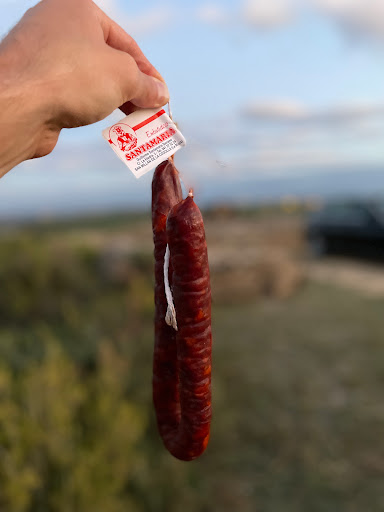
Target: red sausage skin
166	192
182	359
192	298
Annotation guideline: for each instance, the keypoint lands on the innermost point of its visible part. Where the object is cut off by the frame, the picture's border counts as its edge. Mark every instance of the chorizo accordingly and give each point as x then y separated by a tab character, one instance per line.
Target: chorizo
182	358
166	192
192	299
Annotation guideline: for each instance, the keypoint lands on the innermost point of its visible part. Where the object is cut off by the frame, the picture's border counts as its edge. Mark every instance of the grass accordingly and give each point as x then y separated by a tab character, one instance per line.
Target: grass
297	386
301	384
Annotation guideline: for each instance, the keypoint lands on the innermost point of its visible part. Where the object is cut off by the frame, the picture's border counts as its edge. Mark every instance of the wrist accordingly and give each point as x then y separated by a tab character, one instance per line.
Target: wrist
25	113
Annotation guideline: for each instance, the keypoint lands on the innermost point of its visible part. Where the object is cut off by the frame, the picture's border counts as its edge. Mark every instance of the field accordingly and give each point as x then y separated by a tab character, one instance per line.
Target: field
298	370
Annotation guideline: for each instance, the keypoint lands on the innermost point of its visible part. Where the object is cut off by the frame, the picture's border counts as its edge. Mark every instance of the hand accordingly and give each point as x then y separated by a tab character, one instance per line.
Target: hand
67	64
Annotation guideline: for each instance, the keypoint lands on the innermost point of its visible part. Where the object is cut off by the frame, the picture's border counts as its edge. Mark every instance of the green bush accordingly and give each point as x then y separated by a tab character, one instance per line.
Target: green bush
297	392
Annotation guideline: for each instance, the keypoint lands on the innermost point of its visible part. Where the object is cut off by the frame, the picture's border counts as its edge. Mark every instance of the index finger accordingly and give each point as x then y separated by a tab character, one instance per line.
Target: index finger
116	37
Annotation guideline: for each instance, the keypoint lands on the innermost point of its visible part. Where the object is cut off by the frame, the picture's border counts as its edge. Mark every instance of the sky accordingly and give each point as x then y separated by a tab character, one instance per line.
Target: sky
275	97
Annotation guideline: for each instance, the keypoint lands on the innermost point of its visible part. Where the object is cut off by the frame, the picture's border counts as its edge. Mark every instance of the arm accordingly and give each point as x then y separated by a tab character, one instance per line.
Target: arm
66	64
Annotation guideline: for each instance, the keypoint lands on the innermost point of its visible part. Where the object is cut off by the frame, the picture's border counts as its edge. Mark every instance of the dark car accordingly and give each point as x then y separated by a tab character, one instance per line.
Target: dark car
351	227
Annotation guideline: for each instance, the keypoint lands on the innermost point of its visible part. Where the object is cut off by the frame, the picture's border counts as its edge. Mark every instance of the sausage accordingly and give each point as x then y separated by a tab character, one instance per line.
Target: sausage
166	192
182	358
192	299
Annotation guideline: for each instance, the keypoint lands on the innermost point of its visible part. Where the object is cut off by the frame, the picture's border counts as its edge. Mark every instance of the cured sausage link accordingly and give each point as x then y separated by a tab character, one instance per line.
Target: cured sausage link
188	437
166	192
182	359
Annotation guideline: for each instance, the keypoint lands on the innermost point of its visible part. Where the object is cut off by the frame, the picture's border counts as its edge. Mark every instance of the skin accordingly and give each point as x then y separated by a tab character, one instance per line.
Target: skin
67	64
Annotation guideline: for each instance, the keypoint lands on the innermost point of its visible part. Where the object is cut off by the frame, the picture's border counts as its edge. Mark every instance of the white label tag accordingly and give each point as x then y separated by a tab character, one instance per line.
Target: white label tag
144	139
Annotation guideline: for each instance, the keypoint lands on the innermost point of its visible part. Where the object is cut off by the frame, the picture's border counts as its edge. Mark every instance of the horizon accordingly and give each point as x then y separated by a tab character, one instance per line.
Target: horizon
339	184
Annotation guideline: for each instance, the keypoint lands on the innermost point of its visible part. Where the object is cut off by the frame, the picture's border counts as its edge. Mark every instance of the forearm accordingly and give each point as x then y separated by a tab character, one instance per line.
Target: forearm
23	114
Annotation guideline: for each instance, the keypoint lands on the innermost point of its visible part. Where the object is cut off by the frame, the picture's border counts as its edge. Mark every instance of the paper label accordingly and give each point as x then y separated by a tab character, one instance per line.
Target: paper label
144	139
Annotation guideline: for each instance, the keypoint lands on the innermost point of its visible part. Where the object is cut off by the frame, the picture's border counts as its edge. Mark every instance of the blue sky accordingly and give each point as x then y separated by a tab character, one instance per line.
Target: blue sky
264	90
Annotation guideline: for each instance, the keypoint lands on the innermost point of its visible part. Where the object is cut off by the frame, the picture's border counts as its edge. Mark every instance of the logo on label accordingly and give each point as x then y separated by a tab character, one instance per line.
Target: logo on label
123	136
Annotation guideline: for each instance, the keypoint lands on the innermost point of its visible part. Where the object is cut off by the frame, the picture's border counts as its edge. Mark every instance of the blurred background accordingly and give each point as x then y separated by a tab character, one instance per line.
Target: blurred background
282	106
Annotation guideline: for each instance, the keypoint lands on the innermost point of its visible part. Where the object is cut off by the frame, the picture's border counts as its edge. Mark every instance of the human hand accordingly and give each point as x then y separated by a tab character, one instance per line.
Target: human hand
67	64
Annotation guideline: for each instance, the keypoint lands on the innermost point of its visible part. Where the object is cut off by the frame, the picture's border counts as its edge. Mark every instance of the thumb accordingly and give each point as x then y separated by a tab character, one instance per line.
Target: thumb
137	88
150	92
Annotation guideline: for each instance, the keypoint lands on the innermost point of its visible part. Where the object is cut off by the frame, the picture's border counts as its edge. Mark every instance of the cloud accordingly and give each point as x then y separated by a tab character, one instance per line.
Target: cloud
357	17
259	14
150	21
213	14
286	161
289	111
287	138
279	110
266	14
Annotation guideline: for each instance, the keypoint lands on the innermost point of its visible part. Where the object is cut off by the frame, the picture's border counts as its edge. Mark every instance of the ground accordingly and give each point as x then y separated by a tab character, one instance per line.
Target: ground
298	373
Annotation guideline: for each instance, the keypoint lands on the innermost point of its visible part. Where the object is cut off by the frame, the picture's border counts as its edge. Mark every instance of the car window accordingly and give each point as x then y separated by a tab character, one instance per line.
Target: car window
348	214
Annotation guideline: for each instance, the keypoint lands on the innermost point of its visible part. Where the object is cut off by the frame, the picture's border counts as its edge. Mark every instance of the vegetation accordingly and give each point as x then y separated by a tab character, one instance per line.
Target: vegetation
298	410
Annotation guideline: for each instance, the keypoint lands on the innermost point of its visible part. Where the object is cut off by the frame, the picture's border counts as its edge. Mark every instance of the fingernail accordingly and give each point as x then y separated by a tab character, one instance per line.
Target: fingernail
163	93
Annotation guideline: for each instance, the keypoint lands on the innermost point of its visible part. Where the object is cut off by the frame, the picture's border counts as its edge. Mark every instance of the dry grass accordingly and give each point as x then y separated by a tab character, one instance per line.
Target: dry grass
298	383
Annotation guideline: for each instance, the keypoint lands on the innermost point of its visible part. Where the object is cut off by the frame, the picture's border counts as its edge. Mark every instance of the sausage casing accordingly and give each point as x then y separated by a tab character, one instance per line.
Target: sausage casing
166	192
182	358
192	298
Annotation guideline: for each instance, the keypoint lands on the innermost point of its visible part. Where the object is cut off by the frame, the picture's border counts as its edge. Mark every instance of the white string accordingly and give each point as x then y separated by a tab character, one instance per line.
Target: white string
169	110
170	317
